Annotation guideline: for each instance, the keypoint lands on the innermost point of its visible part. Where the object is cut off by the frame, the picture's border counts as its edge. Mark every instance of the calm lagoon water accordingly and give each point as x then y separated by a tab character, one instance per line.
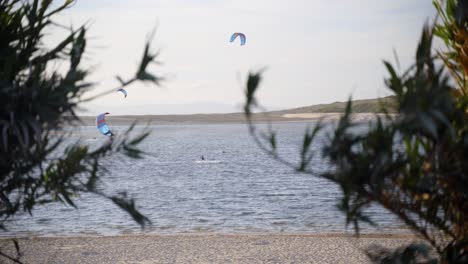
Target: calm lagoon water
239	189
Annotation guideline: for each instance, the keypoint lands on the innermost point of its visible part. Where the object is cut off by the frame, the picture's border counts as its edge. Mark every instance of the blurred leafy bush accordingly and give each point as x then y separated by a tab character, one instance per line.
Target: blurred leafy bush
414	163
37	102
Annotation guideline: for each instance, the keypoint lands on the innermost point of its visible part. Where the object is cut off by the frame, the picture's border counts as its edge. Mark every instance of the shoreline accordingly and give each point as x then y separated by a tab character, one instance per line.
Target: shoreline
231	118
407	235
205	248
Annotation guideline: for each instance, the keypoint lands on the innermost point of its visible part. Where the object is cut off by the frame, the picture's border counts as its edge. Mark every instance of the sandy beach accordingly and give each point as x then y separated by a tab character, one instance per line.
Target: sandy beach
204	248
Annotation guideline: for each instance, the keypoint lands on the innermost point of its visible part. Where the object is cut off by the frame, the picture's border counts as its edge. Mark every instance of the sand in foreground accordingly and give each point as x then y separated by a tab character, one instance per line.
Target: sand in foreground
205	248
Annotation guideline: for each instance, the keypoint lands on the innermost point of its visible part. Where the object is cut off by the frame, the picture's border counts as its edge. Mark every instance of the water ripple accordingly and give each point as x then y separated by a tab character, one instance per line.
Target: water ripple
240	190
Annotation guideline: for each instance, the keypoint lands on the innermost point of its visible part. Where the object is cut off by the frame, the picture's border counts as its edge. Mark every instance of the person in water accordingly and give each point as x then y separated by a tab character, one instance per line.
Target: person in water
202	157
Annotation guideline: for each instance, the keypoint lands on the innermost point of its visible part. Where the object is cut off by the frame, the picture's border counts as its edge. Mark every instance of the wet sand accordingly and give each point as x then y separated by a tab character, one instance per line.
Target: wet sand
204	248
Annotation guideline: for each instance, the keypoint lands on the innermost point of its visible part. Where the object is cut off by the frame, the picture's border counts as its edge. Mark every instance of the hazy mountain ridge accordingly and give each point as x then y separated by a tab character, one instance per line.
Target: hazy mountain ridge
359	106
363	109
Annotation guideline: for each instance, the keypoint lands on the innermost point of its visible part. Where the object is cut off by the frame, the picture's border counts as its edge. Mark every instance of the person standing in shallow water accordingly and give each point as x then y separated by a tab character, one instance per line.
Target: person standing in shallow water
202	157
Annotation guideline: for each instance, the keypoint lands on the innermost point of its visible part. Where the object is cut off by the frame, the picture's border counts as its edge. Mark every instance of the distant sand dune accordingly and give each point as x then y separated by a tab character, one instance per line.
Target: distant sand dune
358	117
313	115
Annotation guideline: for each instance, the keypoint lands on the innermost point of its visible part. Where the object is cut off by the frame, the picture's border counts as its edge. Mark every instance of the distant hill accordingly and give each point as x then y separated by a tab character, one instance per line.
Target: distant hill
359	106
362	109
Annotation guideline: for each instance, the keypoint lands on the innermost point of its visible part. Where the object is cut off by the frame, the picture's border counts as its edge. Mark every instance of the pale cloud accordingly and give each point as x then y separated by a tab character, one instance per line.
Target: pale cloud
315	51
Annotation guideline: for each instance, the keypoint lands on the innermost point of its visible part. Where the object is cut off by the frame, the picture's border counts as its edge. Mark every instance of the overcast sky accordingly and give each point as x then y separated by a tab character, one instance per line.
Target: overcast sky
315	51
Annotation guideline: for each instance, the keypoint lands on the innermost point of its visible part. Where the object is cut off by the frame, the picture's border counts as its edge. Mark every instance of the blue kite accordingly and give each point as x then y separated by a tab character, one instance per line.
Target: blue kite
123	91
102	126
241	37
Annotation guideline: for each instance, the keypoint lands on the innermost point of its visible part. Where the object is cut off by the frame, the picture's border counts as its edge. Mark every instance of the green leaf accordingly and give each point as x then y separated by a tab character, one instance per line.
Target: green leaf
129	207
253	82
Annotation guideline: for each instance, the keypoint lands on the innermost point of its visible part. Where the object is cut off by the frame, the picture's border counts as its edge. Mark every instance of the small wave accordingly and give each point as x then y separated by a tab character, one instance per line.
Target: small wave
277	194
244	213
167	227
43	220
279	223
208	161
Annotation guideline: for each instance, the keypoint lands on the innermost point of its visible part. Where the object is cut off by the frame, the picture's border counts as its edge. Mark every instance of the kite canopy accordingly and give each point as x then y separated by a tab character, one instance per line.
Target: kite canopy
123	91
240	35
102	126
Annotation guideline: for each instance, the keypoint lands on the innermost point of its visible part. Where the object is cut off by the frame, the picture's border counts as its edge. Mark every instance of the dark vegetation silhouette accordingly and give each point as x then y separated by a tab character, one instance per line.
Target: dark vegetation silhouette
37	102
414	163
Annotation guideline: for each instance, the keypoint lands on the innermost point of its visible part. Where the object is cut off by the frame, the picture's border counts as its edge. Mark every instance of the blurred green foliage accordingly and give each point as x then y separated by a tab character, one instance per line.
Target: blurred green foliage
37	102
414	163
452	31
